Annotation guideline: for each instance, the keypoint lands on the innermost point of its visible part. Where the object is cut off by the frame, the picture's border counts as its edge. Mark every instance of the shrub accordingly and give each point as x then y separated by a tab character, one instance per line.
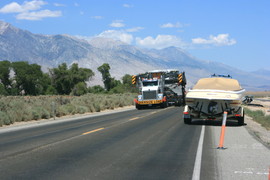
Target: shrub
36	114
4	119
25	108
81	109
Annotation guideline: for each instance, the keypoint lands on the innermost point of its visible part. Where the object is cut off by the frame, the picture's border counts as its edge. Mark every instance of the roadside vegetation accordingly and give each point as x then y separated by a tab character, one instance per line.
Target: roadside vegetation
22	78
26	108
260	117
27	93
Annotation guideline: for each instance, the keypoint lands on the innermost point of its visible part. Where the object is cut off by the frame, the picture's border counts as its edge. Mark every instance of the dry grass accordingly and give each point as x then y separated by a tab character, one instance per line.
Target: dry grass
26	108
259	114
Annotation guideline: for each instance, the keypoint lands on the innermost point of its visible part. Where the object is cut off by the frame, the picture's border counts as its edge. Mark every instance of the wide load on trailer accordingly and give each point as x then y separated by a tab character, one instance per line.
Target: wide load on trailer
160	88
210	97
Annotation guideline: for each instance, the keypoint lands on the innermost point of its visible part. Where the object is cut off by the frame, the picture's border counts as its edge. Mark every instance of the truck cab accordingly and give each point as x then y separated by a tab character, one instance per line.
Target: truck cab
151	93
154	88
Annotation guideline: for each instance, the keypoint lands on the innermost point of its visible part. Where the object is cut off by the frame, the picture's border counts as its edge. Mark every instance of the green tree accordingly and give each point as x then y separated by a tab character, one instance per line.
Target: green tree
46	84
128	86
60	79
5	67
64	80
28	78
79	75
3	90
96	89
79	89
127	79
104	69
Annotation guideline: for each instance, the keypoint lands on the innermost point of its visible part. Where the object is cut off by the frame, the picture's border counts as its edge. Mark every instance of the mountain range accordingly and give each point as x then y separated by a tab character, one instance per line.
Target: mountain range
51	50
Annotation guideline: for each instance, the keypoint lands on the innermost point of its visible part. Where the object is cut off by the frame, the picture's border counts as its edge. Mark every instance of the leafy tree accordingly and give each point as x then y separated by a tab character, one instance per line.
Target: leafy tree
3	90
28	77
127	79
79	75
129	87
5	67
96	89
46	84
104	69
50	90
118	89
108	81
79	89
64	79
60	79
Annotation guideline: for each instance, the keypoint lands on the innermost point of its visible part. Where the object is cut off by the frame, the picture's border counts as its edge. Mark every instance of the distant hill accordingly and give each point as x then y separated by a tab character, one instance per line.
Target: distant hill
262	72
52	50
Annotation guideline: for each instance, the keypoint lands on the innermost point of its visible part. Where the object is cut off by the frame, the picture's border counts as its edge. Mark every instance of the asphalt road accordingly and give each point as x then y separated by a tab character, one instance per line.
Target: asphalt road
146	144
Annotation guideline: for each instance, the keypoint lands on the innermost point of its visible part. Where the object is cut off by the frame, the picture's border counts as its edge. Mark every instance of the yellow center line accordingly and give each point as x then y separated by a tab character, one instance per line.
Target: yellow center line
134	118
92	131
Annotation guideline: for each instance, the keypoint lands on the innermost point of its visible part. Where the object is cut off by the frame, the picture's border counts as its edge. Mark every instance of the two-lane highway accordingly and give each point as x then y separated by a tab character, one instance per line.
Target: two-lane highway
146	144
131	144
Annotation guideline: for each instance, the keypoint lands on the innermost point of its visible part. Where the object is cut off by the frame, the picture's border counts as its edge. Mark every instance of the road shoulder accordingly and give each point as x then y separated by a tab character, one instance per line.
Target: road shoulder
243	157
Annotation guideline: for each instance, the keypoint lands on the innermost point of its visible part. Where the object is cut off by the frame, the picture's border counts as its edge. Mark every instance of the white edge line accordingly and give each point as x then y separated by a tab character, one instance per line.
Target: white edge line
198	160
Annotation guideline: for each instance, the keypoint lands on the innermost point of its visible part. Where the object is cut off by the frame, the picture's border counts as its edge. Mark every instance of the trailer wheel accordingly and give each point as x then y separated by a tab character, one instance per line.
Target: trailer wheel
187	120
241	119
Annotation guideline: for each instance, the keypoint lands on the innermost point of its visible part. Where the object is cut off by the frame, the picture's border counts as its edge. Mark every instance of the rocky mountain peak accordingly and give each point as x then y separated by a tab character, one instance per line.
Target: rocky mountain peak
5	27
105	43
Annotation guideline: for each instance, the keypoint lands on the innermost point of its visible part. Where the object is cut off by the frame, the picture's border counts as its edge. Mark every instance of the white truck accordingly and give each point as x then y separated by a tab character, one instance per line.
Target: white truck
160	88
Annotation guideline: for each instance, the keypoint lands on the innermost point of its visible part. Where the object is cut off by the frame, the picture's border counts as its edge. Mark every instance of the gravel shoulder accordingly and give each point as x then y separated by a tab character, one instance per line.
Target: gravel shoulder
257	131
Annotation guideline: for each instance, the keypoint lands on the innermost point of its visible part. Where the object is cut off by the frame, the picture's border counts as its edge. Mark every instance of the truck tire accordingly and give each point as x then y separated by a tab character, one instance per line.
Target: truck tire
187	120
139	107
164	104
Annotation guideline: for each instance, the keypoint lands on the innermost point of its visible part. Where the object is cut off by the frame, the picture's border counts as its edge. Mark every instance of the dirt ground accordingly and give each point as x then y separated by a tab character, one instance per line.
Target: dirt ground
265	102
259	132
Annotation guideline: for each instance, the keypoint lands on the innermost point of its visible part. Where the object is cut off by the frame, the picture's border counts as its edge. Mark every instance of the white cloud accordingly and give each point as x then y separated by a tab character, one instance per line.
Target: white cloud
219	40
170	25
117	24
25	7
38	15
30	10
127	5
117	35
135	29
97	17
59	5
161	41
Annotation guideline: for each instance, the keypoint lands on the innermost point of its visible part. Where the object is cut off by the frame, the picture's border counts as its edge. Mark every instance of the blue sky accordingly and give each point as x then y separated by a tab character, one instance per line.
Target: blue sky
234	32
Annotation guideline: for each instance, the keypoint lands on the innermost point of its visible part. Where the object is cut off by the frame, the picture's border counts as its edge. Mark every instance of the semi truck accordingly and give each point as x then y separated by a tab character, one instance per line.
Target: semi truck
160	88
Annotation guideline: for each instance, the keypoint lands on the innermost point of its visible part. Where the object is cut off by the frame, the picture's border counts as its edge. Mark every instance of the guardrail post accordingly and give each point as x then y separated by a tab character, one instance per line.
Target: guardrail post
222	134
